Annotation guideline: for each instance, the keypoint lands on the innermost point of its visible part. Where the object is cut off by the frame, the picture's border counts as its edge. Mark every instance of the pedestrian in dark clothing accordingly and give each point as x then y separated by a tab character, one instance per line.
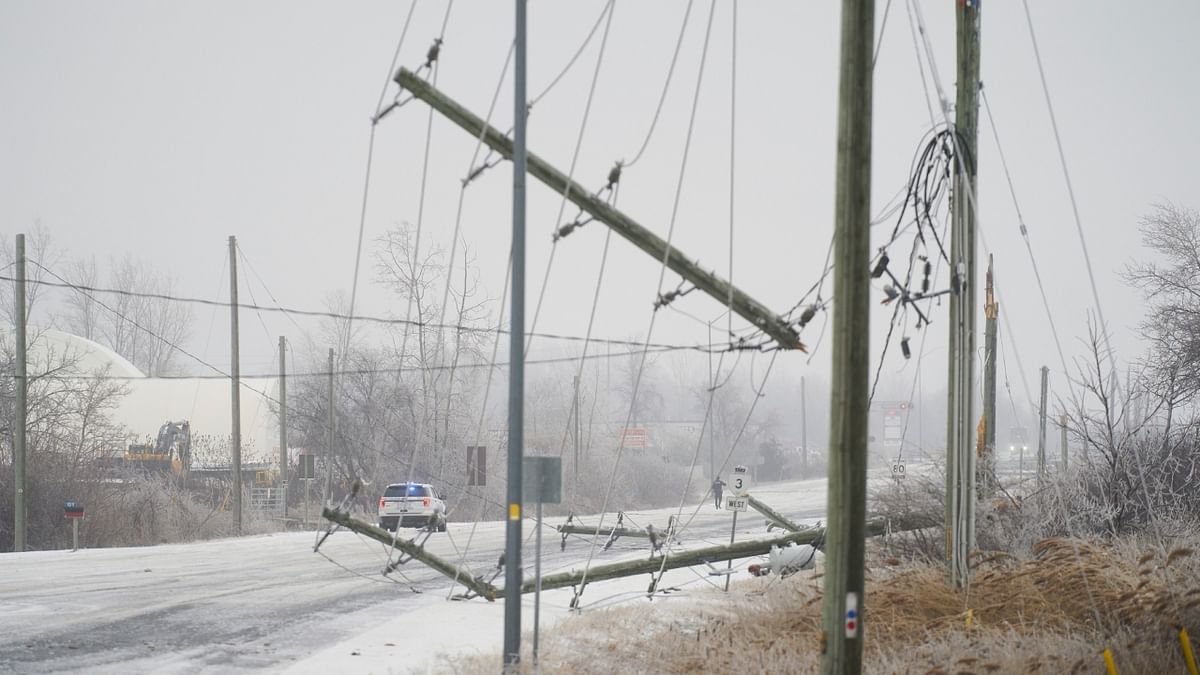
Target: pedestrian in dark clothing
717	485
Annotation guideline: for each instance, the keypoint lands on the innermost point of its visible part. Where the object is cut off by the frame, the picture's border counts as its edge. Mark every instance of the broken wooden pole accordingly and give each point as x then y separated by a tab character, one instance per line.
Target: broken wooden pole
772	515
745	306
458	574
688	558
604	531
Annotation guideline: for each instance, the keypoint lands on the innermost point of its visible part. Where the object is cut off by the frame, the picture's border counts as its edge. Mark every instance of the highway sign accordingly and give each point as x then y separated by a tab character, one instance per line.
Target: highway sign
739	485
736	503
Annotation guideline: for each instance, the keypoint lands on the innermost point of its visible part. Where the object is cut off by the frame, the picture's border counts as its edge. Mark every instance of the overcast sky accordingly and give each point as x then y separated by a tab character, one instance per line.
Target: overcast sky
159	129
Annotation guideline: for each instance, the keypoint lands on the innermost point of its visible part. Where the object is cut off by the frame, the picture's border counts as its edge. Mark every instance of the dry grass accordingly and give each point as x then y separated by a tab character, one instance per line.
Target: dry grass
1053	613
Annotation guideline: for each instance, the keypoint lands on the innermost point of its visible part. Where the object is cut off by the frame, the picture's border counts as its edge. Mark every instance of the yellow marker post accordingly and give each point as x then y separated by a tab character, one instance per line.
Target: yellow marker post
514	511
1186	643
1109	664
970	618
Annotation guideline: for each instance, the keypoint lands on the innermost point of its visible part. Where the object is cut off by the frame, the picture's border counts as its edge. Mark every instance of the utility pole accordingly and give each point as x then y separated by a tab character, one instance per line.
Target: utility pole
960	448
235	391
283	446
576	426
1062	424
329	448
991	310
803	428
19	312
703	279
1041	449
516	359
843	602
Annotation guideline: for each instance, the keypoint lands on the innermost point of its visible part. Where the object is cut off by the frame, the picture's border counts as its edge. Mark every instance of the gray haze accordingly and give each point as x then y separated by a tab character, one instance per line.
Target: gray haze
158	129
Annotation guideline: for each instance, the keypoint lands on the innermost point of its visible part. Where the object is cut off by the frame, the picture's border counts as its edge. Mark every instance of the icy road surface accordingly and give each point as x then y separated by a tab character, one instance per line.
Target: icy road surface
268	603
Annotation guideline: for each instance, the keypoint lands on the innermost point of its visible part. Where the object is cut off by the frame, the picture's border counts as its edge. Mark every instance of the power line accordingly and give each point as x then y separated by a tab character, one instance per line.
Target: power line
87	289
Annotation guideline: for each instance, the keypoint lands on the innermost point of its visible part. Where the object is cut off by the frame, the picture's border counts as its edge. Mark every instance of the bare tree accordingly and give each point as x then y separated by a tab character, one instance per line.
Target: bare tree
143	329
41	254
1172	290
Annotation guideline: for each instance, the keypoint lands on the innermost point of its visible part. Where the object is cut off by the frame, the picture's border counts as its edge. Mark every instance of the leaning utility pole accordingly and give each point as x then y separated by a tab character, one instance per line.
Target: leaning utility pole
1041	449
773	325
960	448
842	606
986	475
516	359
283	446
19	313
235	392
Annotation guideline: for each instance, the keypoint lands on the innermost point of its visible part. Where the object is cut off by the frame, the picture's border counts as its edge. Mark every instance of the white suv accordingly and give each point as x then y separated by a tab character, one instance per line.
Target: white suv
411	505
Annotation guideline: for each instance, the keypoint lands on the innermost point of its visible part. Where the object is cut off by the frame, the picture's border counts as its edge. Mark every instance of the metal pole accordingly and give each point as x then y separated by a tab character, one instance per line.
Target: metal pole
537	594
516	357
235	391
729	566
283	442
842	604
74	534
1041	448
329	447
19	313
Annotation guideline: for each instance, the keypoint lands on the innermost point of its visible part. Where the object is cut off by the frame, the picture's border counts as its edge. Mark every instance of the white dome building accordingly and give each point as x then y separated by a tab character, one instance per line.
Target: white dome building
150	401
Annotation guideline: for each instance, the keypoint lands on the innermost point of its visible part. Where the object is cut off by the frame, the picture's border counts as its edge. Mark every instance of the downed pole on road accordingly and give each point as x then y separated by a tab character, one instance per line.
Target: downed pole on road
615	532
774	518
476	584
688	558
677	559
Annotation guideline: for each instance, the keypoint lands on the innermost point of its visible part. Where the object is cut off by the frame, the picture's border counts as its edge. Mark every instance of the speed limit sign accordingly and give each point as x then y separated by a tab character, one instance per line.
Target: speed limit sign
740	485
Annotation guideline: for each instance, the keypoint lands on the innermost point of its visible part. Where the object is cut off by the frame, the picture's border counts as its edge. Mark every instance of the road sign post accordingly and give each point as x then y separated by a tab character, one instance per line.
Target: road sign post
74	511
542	483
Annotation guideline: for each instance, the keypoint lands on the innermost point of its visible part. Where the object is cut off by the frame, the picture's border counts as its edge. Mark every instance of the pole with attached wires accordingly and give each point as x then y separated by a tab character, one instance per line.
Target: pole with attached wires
235	392
516	376
842	605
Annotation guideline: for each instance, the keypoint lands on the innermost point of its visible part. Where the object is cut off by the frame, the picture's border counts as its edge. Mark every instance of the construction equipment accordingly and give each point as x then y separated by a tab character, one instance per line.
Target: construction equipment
170	453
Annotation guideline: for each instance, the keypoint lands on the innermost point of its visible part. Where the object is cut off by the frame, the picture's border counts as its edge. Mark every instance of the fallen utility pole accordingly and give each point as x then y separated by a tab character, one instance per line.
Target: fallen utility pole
724	292
772	515
688	558
677	559
611	532
480	587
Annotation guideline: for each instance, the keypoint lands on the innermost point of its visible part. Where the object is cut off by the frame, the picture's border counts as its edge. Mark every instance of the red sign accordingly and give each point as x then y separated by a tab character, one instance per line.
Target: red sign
633	437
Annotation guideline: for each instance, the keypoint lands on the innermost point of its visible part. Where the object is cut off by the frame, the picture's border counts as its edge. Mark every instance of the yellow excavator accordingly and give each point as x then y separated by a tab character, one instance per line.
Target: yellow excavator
171	451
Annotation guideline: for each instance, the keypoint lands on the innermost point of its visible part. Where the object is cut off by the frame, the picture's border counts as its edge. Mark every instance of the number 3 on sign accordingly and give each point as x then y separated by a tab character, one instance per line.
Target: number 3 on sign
741	481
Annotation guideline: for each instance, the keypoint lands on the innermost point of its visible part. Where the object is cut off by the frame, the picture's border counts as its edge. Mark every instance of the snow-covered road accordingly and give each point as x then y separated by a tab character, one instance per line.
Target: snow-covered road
269	603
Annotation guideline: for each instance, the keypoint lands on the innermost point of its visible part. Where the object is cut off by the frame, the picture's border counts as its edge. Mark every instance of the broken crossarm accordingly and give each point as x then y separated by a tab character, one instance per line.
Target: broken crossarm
687	558
773	516
724	292
462	576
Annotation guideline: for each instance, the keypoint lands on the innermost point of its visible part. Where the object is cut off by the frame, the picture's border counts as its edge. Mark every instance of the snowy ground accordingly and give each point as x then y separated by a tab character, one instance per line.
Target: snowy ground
268	603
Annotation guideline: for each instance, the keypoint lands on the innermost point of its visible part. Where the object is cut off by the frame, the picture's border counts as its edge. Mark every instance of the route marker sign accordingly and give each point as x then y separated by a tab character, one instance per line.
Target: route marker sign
739	485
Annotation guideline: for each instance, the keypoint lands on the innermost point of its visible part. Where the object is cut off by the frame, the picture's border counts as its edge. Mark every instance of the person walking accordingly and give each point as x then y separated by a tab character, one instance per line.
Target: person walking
717	485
